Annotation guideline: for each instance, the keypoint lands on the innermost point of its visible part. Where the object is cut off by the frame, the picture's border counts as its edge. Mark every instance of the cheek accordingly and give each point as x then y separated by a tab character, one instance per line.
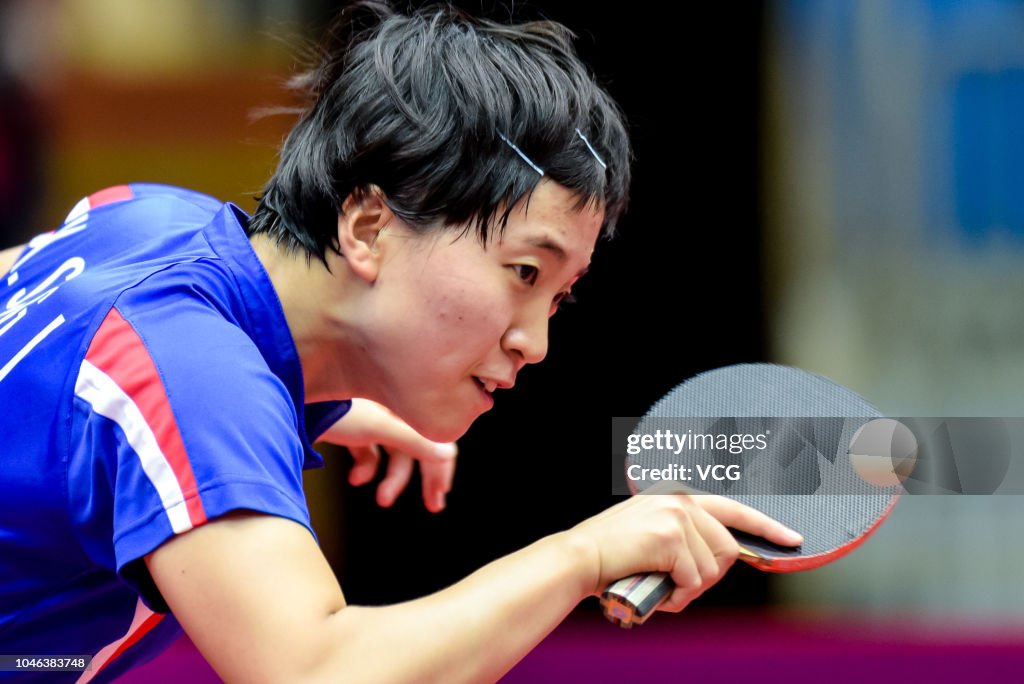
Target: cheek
453	307
461	317
472	315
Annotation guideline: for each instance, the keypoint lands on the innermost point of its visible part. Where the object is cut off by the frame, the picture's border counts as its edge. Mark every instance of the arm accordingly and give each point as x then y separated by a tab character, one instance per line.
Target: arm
260	602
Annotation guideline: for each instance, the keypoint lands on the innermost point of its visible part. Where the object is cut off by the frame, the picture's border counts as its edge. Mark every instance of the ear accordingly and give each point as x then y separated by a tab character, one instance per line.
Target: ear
363	216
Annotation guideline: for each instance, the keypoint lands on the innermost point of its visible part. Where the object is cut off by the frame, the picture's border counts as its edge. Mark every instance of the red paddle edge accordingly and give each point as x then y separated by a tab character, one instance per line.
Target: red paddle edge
818	560
801	563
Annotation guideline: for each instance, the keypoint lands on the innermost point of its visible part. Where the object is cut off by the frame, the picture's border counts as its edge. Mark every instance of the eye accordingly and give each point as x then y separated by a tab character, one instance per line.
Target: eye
527	273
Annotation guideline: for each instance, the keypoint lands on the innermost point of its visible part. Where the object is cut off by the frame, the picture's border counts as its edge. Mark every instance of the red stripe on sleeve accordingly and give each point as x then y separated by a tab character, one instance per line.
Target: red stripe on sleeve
117	193
119	352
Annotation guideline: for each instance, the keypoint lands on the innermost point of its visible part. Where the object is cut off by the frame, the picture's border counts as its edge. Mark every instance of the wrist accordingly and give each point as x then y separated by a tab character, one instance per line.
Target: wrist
584	561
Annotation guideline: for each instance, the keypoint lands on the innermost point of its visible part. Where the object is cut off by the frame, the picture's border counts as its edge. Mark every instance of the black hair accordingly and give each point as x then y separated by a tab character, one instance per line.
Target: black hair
430	108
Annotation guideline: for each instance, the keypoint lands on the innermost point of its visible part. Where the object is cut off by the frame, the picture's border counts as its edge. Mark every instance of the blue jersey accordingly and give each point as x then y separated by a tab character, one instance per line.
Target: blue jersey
148	384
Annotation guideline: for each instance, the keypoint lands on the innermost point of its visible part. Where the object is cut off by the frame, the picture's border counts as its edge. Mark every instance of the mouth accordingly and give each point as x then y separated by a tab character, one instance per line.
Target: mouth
486	389
487	386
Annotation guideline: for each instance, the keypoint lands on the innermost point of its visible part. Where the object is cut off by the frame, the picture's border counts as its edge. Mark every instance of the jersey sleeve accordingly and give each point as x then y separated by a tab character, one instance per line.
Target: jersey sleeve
179	421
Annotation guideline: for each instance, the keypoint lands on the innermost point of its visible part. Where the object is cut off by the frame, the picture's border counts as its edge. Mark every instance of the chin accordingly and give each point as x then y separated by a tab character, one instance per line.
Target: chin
437	433
441	431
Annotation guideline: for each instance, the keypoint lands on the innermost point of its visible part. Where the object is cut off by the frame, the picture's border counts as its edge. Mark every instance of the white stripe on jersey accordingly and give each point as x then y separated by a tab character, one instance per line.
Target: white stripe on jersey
108	400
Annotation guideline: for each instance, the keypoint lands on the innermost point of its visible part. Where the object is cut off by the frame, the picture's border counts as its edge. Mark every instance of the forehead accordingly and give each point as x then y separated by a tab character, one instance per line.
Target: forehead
551	218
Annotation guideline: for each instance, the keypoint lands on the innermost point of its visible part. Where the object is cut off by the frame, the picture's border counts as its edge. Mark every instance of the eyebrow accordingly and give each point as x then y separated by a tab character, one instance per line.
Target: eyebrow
556	250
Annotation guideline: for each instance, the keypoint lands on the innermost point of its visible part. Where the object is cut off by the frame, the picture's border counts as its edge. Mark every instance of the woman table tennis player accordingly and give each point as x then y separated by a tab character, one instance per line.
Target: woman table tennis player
166	361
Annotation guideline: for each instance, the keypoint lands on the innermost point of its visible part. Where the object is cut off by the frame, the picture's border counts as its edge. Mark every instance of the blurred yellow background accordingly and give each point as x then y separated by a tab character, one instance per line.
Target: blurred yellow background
161	91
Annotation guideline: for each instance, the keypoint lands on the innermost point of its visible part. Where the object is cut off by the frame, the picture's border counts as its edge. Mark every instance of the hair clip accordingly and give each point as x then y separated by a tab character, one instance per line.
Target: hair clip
521	154
592	150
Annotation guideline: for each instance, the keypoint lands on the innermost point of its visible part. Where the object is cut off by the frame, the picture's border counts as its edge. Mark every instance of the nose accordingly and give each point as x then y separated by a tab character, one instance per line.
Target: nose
528	337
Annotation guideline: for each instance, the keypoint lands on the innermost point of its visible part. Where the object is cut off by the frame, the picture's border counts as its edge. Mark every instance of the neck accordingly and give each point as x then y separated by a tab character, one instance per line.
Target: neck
315	307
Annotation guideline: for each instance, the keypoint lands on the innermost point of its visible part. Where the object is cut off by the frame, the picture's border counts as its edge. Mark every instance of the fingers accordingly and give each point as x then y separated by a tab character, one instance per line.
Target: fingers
662	533
709	552
437	482
736	515
404	444
682	532
369	424
436	476
366	459
399	471
721	543
695	569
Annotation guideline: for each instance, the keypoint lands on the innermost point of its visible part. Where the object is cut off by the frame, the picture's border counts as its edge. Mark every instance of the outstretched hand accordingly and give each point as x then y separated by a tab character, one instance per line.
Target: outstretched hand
367	427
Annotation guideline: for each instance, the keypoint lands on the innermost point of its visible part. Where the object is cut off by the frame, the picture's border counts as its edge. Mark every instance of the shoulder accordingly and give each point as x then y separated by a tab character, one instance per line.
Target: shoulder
152	193
201	426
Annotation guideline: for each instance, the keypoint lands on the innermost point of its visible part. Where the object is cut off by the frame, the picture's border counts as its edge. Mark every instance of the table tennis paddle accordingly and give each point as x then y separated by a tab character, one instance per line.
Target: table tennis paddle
790	460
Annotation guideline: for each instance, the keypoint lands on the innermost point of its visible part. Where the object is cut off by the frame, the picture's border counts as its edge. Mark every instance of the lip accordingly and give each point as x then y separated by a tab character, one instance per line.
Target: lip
483	393
507	383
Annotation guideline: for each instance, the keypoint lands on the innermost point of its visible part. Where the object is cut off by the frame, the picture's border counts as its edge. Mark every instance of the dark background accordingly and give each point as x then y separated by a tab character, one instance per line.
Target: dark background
676	291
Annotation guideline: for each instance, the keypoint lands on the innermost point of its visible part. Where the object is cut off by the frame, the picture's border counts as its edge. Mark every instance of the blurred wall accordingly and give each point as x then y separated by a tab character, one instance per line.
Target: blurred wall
162	90
894	176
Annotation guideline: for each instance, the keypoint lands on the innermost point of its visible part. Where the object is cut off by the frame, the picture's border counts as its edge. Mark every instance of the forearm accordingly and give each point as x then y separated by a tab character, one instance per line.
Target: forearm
473	631
260	602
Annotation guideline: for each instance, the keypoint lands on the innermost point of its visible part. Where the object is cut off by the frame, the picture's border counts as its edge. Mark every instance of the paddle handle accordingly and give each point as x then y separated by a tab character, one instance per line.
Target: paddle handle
631	600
